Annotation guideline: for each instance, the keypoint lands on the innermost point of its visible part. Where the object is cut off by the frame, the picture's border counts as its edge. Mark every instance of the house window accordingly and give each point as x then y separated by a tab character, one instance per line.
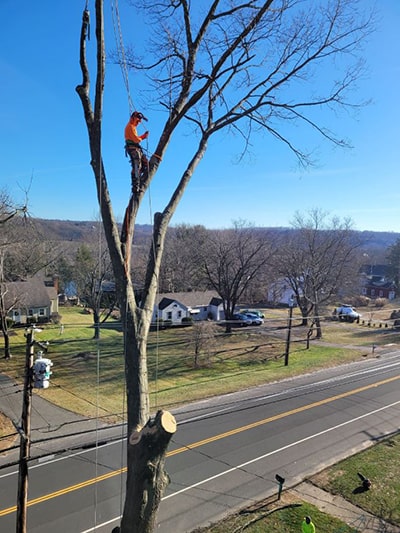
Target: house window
169	315
372	292
41	312
30	312
179	314
380	294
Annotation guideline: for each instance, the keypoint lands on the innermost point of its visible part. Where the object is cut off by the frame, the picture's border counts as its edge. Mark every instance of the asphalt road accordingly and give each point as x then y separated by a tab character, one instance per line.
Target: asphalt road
225	453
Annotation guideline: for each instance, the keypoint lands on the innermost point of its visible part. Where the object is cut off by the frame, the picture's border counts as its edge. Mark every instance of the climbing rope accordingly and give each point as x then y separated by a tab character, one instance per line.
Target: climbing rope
121	51
125	75
153	244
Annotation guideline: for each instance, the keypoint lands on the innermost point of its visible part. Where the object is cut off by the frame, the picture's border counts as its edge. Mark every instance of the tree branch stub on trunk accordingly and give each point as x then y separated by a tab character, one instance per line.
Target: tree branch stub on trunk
164	423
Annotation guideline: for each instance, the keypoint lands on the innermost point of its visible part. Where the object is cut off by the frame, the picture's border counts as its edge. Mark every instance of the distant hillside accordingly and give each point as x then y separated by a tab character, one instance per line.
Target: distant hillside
379	239
77	231
85	231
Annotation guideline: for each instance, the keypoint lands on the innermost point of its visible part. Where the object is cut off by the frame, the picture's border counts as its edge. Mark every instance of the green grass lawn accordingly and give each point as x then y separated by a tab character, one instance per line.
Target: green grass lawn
285	516
7	432
88	378
381	464
89	375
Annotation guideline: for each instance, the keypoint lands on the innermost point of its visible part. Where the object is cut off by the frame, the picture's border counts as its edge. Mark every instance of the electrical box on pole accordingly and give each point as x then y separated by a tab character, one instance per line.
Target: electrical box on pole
41	372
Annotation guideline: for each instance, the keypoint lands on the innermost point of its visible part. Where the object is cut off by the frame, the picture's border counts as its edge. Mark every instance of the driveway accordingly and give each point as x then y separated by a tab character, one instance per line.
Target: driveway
49	424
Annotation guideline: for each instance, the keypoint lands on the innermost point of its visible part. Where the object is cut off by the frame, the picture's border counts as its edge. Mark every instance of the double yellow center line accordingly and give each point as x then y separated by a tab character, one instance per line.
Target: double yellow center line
203	442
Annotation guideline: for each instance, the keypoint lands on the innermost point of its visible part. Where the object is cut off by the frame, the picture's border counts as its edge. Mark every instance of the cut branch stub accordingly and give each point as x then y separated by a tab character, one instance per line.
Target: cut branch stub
163	426
168	422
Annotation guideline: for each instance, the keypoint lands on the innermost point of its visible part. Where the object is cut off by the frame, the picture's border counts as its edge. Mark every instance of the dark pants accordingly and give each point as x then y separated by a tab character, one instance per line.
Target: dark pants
139	162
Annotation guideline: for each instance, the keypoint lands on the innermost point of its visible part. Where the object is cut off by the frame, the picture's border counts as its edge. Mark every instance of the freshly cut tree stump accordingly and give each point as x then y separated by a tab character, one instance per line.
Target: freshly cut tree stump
147	478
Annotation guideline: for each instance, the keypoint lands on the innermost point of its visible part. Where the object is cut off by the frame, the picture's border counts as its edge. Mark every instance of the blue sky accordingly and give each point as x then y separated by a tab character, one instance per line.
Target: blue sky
44	145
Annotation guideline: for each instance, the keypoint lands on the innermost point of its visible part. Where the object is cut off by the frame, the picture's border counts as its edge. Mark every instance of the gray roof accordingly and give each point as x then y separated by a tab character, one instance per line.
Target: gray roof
24	294
189	299
165	302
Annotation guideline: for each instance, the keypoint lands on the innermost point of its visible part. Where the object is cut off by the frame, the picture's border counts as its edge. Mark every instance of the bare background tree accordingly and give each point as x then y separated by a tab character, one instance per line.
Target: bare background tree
393	257
10	239
214	65
8	208
232	259
203	342
180	268
320	257
92	270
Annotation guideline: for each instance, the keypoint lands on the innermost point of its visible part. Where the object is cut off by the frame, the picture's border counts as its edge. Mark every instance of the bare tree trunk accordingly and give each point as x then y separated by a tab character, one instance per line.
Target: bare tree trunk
7	347
200	101
147	479
3	314
304	314
6	336
96	324
317	322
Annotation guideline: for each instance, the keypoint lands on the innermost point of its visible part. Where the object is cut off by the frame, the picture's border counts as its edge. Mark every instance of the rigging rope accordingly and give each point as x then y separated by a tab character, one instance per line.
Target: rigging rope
86	19
125	76
121	51
153	244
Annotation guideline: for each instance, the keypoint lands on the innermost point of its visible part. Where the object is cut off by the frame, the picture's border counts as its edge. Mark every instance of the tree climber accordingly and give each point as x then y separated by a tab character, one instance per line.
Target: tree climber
139	161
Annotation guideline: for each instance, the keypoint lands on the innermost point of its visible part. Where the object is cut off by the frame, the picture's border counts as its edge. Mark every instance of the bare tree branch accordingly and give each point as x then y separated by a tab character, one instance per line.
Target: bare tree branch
214	64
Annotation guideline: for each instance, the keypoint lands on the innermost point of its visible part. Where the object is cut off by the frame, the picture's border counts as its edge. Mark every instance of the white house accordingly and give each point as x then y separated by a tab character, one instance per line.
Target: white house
280	292
198	305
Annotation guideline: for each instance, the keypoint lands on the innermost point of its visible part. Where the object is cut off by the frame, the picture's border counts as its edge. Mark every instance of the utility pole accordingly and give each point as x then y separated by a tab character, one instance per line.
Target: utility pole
25	434
291	303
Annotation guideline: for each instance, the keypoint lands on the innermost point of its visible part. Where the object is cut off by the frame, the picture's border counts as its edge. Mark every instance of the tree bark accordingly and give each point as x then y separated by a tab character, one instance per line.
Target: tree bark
3	314
147	478
317	322
7	348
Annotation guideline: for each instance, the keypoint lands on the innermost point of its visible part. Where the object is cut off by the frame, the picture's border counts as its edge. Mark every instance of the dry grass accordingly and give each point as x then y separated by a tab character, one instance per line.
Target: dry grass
7	432
89	378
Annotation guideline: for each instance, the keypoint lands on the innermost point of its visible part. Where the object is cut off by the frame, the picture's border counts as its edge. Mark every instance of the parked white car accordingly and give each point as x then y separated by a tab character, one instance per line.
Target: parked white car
346	313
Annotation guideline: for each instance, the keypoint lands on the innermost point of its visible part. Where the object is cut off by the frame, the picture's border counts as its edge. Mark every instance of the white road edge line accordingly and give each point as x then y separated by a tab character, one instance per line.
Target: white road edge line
238	467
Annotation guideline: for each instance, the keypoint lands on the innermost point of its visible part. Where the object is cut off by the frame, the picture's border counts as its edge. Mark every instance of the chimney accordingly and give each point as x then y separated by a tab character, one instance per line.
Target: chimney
55	282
